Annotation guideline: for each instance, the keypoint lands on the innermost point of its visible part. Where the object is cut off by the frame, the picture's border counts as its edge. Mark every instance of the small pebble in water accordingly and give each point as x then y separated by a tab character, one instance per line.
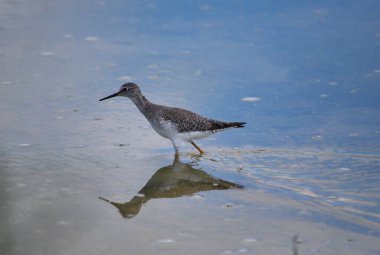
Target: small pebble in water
242	250
250	99
153	66
47	54
24	145
125	78
315	250
165	241
332	197
303	212
198	72
239	251
153	53
206	7
353	91
63	222
344	169
227	252
317	137
250	240
229	205
197	197
91	38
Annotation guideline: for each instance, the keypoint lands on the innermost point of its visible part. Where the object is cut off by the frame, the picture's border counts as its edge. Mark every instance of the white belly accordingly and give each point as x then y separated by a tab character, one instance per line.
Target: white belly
168	130
193	135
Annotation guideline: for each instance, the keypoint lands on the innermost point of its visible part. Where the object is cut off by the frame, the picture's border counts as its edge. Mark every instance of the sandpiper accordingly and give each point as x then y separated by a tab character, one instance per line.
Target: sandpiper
175	124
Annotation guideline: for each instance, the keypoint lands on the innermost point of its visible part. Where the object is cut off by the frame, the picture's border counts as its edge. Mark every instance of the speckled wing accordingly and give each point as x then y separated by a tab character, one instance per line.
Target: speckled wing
187	121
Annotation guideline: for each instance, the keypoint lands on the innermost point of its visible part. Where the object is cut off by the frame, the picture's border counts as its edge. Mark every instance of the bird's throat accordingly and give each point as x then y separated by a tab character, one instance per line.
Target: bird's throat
141	103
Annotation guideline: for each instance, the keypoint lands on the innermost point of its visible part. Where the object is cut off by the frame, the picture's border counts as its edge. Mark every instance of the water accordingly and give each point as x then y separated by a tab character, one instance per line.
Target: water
305	76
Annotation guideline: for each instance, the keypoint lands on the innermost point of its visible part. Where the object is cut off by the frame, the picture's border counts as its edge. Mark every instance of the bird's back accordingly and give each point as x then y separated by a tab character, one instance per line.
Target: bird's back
185	121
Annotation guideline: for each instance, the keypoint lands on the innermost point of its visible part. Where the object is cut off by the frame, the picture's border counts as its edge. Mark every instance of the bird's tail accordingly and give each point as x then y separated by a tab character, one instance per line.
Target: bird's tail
236	124
220	125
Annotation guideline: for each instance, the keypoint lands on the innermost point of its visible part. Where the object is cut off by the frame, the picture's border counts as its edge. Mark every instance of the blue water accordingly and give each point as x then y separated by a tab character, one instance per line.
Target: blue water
312	64
308	159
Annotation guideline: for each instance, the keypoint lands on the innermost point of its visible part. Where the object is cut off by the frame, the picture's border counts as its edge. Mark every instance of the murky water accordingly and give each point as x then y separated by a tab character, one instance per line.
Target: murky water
78	176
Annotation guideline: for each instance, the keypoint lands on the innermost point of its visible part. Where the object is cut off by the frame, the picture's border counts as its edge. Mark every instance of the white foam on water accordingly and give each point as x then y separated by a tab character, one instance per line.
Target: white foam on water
91	38
250	99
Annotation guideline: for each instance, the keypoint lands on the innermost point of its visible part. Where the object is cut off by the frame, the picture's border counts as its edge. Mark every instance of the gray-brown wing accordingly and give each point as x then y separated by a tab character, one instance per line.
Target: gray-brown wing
187	121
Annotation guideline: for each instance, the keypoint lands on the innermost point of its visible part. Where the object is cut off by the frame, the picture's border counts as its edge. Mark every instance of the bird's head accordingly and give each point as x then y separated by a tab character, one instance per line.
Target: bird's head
129	90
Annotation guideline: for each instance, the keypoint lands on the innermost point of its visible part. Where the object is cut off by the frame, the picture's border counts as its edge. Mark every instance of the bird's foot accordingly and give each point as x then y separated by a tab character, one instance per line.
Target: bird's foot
196	157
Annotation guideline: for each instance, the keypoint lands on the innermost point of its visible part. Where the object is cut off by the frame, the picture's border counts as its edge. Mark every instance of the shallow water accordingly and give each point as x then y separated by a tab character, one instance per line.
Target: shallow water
78	176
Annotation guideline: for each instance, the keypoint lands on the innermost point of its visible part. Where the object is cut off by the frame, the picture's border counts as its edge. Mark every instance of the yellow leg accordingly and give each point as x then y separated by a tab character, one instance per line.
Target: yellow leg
196	147
176	157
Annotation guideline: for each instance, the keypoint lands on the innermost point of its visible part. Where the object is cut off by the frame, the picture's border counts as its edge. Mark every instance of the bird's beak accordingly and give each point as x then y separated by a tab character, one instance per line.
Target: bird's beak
113	95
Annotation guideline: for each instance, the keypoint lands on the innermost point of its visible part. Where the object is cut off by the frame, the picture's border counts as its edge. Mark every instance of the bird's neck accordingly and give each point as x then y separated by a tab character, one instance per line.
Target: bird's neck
141	102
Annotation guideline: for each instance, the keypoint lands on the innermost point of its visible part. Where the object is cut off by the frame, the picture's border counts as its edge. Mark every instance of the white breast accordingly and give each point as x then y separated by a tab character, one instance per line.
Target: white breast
164	128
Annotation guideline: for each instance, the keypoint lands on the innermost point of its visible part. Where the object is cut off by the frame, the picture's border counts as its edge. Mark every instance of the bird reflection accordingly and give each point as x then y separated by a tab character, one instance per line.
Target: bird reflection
175	180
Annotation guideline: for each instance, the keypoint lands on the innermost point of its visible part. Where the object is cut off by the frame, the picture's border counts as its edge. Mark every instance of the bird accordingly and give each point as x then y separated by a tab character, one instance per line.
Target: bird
176	124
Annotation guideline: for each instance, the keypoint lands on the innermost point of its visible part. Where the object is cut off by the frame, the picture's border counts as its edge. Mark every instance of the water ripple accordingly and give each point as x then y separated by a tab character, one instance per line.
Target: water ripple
340	185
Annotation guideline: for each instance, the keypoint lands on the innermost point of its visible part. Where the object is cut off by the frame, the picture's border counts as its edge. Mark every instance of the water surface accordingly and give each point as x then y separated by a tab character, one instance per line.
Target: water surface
304	76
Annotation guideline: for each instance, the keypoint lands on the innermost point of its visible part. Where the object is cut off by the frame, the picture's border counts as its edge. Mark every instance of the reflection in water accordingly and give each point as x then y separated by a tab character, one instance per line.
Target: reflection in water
171	181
